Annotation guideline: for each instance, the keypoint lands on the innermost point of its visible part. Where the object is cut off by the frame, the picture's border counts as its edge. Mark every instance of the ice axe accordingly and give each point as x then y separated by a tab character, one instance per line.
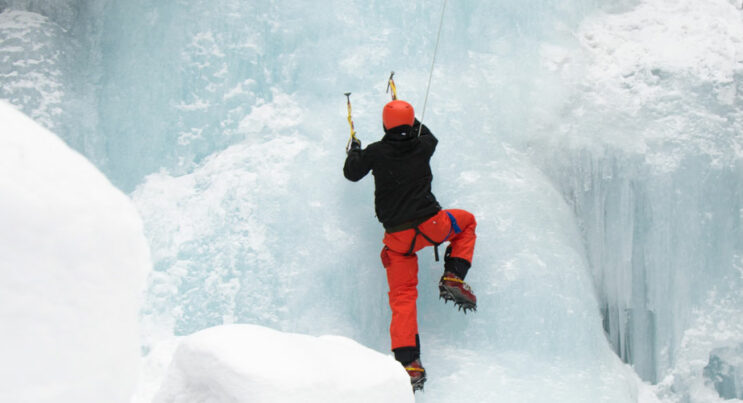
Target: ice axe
350	122
391	85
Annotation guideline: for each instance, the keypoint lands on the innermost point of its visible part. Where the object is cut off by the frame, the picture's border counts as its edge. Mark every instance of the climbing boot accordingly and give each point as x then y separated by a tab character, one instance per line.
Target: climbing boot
417	374
453	288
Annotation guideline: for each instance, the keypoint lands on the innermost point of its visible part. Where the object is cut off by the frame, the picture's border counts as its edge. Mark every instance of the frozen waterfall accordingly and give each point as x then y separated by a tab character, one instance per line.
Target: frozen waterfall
599	144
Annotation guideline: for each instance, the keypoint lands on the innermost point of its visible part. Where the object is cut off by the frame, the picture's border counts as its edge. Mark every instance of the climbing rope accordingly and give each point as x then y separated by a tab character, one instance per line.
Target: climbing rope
433	63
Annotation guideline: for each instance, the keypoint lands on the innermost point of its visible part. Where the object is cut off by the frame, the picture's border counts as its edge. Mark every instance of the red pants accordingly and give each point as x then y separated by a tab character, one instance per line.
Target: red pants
402	269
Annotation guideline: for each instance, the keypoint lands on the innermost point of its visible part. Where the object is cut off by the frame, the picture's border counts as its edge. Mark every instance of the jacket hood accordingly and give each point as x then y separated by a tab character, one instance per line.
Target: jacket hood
399	133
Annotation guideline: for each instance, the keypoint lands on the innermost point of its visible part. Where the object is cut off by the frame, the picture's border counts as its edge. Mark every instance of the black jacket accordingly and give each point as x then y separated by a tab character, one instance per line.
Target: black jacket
402	174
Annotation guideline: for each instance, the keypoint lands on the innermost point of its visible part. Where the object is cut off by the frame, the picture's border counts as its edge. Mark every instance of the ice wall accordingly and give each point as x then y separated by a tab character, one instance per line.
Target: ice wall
74	261
252	236
630	110
267	231
647	151
191	72
49	67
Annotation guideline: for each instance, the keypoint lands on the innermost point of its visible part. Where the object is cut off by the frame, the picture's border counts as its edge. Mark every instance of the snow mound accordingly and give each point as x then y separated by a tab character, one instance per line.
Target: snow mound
73	260
249	363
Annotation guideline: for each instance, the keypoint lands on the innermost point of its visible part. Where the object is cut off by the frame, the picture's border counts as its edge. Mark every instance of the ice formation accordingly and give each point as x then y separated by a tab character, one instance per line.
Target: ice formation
597	142
651	162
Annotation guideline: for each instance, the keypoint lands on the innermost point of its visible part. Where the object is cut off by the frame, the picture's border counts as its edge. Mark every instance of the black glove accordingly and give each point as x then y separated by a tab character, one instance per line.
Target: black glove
417	128
355	144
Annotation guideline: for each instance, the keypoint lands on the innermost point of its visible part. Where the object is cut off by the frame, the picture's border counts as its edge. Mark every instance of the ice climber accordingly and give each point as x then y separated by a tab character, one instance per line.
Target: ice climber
413	220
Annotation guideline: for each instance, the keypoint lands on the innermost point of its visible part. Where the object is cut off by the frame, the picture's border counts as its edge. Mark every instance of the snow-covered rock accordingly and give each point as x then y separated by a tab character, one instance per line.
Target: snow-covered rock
249	363
73	259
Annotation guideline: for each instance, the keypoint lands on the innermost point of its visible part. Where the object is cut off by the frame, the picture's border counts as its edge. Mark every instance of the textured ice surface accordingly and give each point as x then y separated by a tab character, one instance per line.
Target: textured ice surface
49	63
33	56
247	363
725	371
598	144
278	257
74	260
650	159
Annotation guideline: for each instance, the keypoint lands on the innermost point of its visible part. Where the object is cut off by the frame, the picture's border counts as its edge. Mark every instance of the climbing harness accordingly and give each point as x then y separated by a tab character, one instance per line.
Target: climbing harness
454	228
433	62
350	122
391	86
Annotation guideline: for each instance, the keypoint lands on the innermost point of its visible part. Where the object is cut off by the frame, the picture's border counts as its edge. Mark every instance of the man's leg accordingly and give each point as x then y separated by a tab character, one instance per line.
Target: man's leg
457	262
402	277
459	253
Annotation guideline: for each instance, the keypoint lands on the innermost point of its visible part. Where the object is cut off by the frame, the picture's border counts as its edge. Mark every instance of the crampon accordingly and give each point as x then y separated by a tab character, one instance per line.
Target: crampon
417	375
453	288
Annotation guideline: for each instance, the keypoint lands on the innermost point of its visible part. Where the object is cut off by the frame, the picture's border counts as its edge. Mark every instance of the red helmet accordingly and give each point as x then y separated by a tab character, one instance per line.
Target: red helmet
397	113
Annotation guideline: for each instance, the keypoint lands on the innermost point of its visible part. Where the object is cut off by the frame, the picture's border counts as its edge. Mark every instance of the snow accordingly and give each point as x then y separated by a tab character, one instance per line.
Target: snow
74	260
247	363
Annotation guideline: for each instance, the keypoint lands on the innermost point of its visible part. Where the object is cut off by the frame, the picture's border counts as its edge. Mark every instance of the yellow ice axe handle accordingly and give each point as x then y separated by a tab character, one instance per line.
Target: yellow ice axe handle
350	122
391	86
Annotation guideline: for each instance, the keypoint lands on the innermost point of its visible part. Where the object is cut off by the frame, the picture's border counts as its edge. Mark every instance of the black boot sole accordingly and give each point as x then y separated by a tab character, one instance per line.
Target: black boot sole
462	303
418	385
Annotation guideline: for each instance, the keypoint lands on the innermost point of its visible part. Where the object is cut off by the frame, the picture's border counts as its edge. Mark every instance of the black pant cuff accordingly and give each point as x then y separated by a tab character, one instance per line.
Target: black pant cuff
458	266
406	355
